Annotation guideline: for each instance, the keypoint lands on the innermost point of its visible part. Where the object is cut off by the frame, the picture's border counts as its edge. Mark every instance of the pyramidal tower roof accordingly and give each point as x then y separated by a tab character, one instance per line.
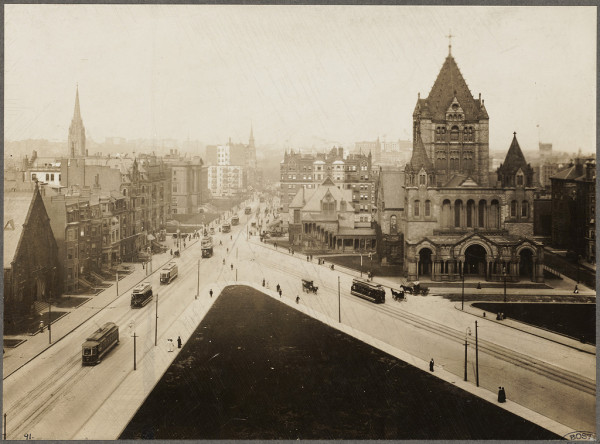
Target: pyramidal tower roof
450	84
514	158
419	158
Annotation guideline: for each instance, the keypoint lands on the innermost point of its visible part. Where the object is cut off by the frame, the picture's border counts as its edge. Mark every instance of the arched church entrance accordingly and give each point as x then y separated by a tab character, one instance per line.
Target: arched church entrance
475	260
526	264
425	262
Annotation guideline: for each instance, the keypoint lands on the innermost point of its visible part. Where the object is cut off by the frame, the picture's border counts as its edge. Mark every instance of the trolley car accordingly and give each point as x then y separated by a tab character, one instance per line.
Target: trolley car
371	292
168	273
98	344
247	210
226	228
142	294
235	220
207	246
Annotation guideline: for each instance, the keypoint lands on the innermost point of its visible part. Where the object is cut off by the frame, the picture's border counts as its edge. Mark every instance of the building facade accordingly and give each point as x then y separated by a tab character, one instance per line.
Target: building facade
30	255
351	172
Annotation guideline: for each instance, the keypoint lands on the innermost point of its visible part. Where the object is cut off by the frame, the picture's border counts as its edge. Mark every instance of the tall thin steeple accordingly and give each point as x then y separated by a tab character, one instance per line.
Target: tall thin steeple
251	140
76	140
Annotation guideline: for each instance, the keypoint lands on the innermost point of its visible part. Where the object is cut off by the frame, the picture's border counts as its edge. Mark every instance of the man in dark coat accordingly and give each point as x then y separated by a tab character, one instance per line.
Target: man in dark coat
431	363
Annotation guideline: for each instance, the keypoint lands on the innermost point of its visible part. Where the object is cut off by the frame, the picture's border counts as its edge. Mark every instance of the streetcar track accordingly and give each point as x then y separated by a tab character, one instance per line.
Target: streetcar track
518	359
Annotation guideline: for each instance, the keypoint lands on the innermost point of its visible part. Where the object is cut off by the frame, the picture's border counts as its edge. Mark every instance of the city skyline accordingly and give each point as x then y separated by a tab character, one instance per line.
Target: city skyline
301	76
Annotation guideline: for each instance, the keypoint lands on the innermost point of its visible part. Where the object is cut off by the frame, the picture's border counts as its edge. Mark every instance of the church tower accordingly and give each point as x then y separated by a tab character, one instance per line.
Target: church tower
454	127
76	140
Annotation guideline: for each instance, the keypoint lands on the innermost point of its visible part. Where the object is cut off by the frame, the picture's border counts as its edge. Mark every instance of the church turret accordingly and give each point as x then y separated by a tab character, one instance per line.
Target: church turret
515	171
76	139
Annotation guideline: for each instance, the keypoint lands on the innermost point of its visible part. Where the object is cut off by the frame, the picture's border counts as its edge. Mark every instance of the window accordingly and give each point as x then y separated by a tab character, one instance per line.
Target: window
393	224
427	208
513	208
525	209
416	210
33	176
422	179
174	188
52	177
454	134
520	179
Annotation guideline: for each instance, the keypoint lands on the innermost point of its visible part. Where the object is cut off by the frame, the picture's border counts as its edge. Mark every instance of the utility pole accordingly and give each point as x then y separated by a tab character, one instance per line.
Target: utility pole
360	264
156	323
117	282
134	360
5	427
462	305
50	321
504	273
476	356
198	285
339	303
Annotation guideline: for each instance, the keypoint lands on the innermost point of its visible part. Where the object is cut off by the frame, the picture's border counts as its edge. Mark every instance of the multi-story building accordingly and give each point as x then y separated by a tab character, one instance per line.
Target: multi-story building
189	185
225	180
351	172
573	209
322	218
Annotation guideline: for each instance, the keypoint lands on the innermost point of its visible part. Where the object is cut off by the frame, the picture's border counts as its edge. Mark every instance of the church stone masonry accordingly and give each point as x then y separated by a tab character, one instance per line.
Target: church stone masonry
458	218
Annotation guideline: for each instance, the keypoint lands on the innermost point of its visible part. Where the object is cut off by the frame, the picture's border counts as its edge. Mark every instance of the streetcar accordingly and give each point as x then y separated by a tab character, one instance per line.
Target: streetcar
207	246
168	273
235	220
247	210
99	343
142	294
371	292
226	228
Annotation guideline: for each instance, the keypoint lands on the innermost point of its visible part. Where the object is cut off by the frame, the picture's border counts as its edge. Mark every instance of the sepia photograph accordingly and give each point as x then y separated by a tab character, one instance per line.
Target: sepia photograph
299	222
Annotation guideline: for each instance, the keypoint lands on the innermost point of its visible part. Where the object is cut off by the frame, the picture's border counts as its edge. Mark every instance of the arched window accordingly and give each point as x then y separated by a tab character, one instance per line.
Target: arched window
416	210
457	212
441	160
513	208
422	179
454	134
427	208
524	209
393	224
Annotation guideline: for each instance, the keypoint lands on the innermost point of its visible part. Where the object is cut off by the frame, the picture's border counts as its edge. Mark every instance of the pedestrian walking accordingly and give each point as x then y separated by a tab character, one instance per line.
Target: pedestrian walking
297	299
431	363
576	291
278	287
263	282
178	341
503	394
41	326
280	292
210	292
171	252
307	259
170	345
231	266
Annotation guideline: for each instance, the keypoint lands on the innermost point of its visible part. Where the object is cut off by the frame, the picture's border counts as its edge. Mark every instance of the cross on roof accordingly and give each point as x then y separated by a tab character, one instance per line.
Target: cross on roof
450	42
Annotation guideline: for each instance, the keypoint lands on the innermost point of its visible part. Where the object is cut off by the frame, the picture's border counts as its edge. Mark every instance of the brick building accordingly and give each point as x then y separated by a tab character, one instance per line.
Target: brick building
573	209
350	172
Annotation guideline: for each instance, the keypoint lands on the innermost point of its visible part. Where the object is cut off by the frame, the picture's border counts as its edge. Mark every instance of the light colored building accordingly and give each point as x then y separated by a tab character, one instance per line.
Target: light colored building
225	180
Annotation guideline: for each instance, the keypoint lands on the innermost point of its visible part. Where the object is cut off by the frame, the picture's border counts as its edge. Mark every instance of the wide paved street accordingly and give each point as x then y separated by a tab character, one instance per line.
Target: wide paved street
552	379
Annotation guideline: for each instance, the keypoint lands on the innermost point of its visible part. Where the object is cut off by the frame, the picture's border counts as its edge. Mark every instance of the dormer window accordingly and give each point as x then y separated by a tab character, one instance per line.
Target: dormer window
520	180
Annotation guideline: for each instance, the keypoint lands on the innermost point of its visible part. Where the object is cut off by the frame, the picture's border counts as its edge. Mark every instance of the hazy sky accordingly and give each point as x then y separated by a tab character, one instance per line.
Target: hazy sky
302	75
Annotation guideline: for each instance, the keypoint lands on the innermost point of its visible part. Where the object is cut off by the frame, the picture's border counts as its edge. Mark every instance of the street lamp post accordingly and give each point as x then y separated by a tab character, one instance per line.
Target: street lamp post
476	356
198	285
117	282
504	275
134	359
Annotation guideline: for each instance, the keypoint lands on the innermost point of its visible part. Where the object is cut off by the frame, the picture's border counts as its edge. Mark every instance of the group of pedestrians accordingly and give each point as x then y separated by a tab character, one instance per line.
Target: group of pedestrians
171	346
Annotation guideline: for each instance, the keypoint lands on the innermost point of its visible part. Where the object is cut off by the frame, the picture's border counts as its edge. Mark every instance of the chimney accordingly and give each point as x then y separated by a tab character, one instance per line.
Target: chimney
579	166
590	168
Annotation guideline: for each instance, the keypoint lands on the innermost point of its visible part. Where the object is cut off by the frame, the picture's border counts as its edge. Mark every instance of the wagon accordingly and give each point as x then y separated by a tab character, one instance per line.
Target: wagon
309	286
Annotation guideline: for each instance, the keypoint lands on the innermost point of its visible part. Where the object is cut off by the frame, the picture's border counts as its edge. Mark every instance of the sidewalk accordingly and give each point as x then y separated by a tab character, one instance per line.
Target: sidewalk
15	358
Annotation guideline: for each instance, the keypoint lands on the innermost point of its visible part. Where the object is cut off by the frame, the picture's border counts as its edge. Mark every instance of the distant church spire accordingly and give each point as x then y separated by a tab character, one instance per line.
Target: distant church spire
251	140
449	43
76	140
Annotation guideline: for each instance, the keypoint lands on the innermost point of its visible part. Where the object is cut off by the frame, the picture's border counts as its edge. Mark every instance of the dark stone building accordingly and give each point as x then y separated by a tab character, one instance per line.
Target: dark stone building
573	209
30	255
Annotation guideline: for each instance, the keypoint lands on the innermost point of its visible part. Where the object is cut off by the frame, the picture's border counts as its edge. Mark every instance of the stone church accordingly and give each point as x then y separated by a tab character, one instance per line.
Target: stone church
457	216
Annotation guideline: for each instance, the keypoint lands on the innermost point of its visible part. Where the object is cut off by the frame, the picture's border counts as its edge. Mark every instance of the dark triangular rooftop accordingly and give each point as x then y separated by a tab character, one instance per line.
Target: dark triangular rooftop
450	83
514	158
419	158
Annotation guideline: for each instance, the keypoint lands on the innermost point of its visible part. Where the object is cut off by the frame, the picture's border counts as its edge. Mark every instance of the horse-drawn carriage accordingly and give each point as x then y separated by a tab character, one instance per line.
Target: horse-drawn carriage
309	286
415	288
397	295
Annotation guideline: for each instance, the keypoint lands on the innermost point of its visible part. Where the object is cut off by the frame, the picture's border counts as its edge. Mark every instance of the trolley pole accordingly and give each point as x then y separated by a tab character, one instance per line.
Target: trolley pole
465	357
50	321
134	359
156	323
476	356
462	304
117	282
198	284
5	427
339	303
